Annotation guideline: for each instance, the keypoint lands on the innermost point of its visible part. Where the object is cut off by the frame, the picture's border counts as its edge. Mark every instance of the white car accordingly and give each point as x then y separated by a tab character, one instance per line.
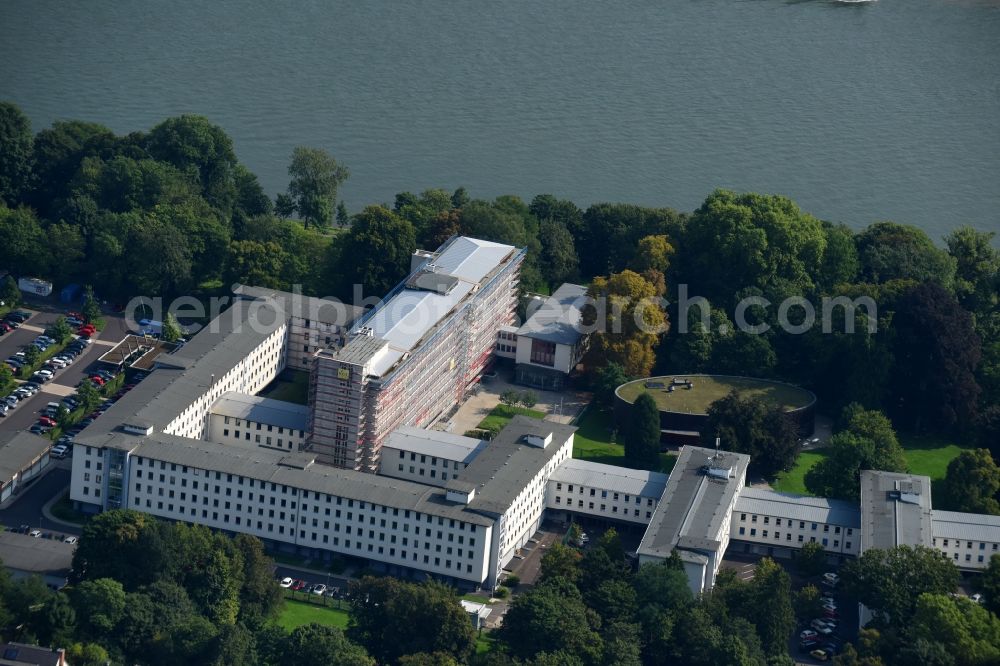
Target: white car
35	533
71	539
978	598
286	583
56	363
59	451
45	373
319	588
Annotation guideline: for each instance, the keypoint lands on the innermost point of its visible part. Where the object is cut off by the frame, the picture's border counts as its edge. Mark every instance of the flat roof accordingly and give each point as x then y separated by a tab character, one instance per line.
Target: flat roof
294	470
895	510
35	555
18	450
434	443
799	507
407	315
151	347
966	526
505	466
187	373
610	477
262	410
558	318
326	310
694	505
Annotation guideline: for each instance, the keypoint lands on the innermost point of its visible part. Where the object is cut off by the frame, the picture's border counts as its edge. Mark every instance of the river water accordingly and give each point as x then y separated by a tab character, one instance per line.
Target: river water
859	112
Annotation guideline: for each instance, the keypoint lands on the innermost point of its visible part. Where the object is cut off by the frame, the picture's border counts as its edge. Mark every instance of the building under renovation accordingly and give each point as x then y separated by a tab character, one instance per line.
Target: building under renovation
416	355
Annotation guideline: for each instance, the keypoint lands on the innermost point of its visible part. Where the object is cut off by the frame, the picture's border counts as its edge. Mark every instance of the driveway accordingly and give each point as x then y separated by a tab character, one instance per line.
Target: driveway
27	508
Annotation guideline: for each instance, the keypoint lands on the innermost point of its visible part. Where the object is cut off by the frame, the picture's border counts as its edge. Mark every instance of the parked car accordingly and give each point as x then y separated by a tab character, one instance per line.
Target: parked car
298	585
35	533
71	539
807	646
831	578
286	583
808	634
4	408
59	451
318	588
11	400
47	421
819	655
39	429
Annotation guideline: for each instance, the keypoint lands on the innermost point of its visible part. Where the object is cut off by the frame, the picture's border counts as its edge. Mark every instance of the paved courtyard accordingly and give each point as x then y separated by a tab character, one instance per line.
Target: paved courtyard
560	406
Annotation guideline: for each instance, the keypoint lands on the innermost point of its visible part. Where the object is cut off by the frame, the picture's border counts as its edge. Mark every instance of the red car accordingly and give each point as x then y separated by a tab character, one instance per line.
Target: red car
299	585
46	421
97	380
87	330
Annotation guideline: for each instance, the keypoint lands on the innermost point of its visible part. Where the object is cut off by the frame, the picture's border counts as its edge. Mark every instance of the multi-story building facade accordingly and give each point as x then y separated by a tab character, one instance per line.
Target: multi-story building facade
237	418
416	355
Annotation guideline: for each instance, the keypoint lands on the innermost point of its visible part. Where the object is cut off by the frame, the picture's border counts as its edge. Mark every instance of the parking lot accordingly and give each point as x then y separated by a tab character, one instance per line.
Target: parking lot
64	383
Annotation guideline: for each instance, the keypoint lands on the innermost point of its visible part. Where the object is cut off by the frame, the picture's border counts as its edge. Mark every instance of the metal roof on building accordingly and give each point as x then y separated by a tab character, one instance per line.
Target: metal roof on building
694	504
895	510
504	467
558	318
19	450
408	315
798	507
325	310
295	471
609	477
965	526
262	410
434	443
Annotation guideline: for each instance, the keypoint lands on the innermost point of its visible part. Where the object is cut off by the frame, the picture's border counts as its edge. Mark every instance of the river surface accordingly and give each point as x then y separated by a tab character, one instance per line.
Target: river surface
858	111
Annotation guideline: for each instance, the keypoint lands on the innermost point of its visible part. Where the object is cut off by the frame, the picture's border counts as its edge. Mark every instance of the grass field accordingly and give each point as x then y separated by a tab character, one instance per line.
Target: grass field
795	480
925	455
298	613
707	389
290	386
593	441
500	415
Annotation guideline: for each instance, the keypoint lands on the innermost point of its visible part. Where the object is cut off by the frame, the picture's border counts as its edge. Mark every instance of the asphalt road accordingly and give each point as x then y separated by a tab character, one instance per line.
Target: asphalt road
26	413
27	510
281	571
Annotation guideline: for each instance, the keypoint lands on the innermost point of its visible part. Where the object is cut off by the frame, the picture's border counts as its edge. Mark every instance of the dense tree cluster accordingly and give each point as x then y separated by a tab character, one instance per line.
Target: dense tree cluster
747	424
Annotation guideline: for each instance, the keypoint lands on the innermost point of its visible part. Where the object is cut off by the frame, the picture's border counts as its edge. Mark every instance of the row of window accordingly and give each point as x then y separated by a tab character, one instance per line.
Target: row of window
590	505
801	538
270	428
605	493
791	523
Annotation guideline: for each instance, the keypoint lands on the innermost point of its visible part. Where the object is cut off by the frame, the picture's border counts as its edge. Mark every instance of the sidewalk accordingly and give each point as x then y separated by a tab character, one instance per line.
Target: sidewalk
47	512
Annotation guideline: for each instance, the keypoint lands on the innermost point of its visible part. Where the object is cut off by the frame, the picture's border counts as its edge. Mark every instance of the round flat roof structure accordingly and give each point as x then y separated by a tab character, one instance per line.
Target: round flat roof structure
693	394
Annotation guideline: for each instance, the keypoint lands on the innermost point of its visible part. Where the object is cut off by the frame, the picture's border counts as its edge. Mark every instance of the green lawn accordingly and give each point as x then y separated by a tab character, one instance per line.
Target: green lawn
500	415
707	389
484	643
298	613
290	386
927	455
63	510
593	441
795	480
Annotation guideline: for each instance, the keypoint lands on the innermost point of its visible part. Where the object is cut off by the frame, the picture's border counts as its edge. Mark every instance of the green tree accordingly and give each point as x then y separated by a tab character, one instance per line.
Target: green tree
260	598
746	424
972	483
977	268
195	146
60	330
653	254
316	644
315	178
628	319
89	396
391	618
607	379
527	399
284	205
59	622
15	153
738	241
9	292
988	585
549	618
87	654
57	155
807	602
24	250
608	234
99	604
509	397
377	250
110	547
840	258
889	581
811	559
867	441
969	633
560	561
559	262
936	353
171	329
889	251
343	217
642	438
31	356
91	309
